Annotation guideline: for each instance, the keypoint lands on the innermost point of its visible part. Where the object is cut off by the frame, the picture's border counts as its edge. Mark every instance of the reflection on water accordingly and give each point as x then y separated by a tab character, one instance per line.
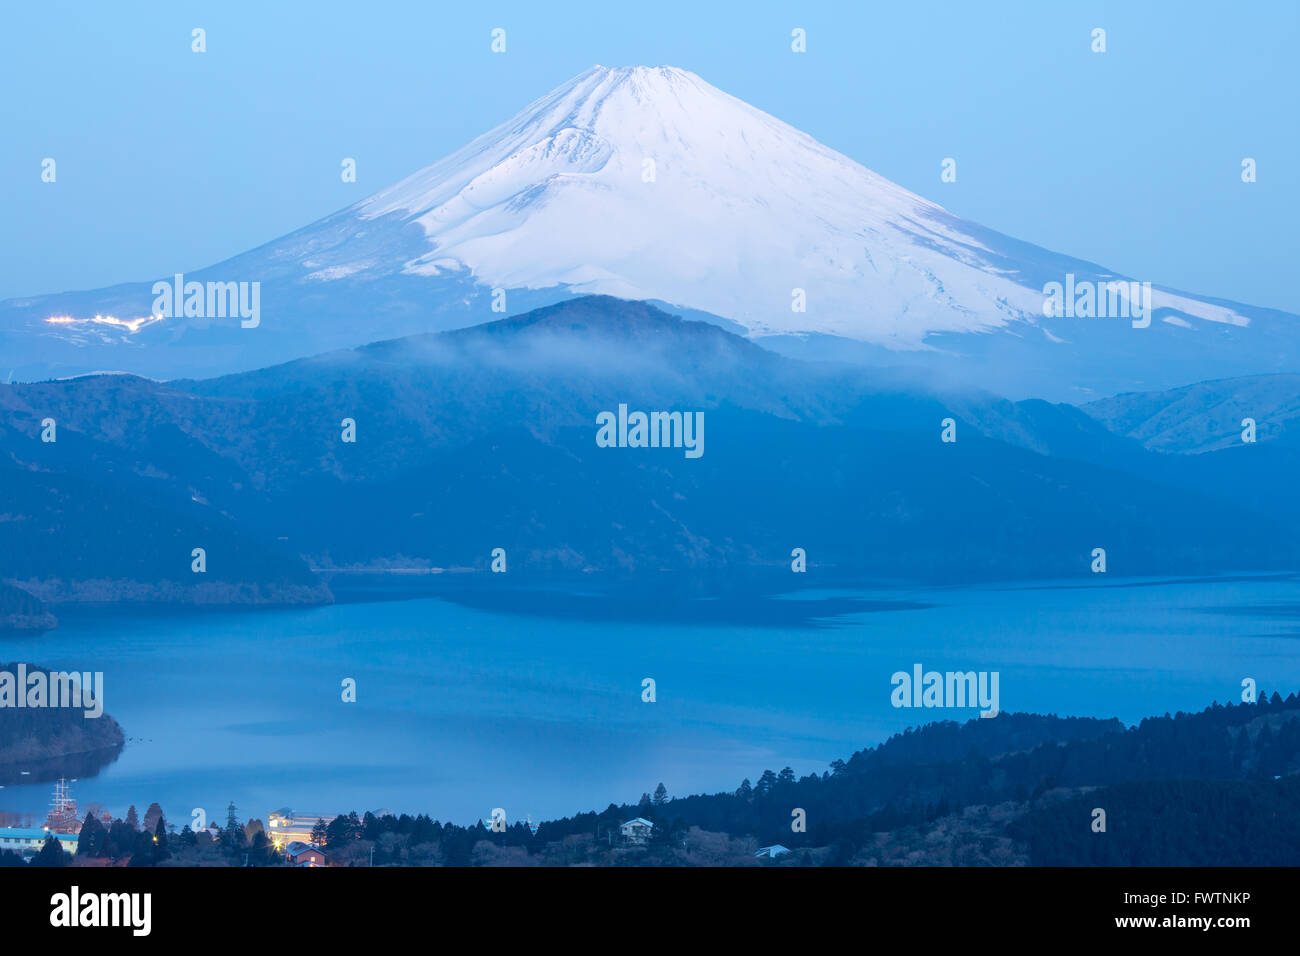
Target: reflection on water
72	766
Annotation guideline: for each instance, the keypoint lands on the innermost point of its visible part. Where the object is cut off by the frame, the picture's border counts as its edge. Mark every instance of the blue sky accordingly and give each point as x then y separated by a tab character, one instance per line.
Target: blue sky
169	160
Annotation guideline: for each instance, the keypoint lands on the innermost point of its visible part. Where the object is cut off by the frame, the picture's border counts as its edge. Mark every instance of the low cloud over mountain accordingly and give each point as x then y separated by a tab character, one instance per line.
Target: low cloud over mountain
485	438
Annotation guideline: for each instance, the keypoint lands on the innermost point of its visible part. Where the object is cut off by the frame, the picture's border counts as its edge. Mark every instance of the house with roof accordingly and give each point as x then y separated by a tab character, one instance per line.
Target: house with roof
304	854
636	832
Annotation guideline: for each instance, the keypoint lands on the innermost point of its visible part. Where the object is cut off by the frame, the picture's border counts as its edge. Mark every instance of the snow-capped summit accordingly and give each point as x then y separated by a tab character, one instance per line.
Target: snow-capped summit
649	183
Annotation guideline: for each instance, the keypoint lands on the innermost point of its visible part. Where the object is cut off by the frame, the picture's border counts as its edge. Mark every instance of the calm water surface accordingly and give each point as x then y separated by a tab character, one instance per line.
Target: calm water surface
464	708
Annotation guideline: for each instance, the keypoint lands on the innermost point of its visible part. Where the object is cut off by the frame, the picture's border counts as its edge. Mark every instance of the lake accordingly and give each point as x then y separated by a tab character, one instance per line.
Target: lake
532	700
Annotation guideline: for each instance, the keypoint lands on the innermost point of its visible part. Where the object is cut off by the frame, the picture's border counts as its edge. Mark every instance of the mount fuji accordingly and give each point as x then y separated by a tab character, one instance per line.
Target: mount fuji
648	183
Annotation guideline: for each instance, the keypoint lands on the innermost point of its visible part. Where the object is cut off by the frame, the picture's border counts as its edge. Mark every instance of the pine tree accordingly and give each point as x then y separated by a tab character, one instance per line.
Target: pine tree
264	852
160	851
121	839
132	818
52	854
661	795
151	817
91	839
424	830
143	851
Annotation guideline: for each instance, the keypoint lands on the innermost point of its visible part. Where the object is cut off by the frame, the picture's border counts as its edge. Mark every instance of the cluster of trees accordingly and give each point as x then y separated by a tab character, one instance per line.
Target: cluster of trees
405	839
909	779
390	840
921	775
51	854
1170	823
235	844
153	842
126	839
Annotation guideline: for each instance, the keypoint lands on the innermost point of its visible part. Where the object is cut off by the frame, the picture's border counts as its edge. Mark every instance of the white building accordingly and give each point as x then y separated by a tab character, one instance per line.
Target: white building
29	840
284	827
636	832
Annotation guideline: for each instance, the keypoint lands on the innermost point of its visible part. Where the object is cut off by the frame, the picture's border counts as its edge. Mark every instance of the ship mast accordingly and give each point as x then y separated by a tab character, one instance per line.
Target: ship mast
63	809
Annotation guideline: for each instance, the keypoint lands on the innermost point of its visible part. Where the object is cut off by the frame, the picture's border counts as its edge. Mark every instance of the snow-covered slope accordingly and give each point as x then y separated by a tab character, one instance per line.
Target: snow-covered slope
649	183
740	209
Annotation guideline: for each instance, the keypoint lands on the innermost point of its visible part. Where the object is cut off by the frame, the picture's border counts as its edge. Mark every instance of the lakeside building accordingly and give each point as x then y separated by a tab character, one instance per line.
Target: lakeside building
284	828
28	841
61	823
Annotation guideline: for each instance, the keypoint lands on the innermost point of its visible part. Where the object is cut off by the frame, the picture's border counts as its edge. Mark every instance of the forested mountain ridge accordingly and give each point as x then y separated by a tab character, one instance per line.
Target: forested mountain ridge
1041	776
429	451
